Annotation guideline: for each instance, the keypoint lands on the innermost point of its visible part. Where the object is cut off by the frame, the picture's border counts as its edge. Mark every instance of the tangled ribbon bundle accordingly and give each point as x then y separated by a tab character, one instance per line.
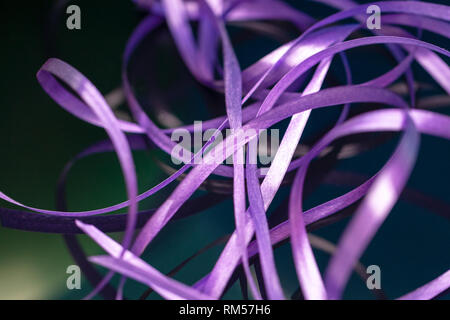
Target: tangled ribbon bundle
256	98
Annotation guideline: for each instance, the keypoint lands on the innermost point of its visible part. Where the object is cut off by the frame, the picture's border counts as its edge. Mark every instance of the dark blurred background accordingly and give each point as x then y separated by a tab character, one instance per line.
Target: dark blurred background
38	138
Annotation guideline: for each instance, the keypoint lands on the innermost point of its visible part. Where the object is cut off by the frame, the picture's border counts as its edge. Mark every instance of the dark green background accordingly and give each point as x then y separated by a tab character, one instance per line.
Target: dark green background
37	138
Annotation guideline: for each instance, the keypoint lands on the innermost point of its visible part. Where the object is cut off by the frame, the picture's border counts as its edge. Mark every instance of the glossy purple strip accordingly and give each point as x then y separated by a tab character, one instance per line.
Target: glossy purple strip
431	289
